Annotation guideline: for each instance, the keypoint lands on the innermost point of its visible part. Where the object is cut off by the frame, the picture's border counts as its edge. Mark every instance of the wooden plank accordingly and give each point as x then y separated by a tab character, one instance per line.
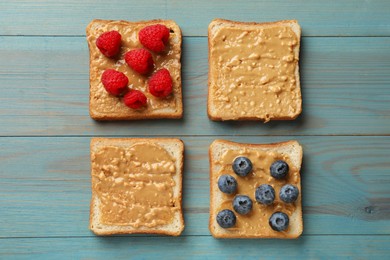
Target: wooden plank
43	17
45	185
197	247
345	84
318	18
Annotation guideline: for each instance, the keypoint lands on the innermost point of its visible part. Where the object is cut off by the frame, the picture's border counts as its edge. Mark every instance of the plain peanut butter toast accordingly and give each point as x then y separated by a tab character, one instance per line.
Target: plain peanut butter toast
254	70
136	186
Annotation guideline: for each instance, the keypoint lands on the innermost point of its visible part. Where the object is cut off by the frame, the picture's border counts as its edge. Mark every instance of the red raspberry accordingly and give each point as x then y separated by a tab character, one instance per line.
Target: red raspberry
135	99
140	60
160	84
154	37
115	82
109	43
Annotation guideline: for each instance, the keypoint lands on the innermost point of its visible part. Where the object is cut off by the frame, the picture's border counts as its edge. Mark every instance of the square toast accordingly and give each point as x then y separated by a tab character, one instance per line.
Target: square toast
102	105
254	70
136	186
255	224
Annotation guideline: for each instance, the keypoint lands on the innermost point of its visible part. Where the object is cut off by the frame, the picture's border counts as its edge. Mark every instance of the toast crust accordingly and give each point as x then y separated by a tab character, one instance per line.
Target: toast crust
141	230
98	111
217	116
213	207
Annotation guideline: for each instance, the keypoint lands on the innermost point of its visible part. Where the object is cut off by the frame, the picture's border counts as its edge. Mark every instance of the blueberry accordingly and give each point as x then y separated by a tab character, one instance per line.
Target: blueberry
265	194
242	166
226	218
242	204
227	184
279	169
289	193
279	221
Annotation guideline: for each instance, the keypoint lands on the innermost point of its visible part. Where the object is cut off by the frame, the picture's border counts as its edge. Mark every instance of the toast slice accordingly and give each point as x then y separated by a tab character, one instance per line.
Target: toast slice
254	70
256	223
136	186
102	105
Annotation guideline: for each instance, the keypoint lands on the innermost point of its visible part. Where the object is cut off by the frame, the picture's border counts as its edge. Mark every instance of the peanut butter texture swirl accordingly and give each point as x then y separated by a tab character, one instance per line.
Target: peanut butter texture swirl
256	222
134	185
255	72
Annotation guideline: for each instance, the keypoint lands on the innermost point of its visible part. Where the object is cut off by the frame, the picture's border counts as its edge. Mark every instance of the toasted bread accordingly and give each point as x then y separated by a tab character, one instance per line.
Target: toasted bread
255	224
136	186
254	70
102	105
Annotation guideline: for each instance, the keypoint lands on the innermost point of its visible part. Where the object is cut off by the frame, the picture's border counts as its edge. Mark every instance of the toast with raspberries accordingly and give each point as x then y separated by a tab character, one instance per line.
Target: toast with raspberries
136	186
255	190
254	70
135	70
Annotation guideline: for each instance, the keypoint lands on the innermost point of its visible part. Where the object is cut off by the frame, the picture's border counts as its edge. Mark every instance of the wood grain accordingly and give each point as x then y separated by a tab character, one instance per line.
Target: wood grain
318	18
345	85
45	129
197	247
45	185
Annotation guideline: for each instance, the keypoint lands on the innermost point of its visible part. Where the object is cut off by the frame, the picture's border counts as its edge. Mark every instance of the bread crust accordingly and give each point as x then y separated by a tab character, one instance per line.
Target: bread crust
135	115
179	199
219	20
246	145
209	97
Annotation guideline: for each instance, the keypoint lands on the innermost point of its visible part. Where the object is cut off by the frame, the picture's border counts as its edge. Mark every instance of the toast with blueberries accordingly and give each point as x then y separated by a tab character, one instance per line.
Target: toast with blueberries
136	186
135	70
254	70
255	190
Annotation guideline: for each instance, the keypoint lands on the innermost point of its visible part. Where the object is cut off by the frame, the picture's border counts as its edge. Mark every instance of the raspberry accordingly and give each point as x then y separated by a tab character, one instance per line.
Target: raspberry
140	60
154	37
115	82
135	99
109	43
160	84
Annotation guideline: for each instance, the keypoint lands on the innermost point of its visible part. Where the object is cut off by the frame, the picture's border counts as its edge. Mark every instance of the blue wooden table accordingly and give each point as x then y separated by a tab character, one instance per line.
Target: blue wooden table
45	129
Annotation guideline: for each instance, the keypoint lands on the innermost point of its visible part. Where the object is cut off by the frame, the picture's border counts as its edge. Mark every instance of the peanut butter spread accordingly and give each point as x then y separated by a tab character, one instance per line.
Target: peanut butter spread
170	59
134	185
255	73
256	222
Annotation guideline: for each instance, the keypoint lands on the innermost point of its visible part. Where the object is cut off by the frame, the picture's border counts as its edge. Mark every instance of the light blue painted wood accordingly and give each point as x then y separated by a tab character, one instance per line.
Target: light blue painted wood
45	17
45	185
197	247
318	18
345	85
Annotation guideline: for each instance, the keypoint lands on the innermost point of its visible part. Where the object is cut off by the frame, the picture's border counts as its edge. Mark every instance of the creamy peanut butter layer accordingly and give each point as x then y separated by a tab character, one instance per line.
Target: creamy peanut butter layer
134	185
253	72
